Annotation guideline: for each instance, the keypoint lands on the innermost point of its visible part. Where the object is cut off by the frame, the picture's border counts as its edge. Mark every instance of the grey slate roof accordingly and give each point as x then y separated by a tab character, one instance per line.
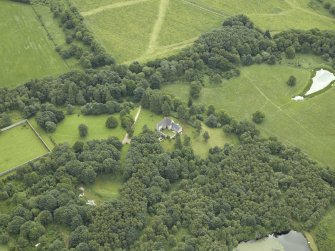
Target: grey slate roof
167	123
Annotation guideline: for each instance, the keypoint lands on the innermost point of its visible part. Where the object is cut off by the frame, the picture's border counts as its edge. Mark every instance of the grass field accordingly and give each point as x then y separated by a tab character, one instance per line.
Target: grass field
147	29
308	124
105	188
27	51
19	145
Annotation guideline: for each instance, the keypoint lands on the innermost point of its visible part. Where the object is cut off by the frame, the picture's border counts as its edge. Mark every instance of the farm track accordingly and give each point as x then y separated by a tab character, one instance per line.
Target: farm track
111	6
158	26
126	139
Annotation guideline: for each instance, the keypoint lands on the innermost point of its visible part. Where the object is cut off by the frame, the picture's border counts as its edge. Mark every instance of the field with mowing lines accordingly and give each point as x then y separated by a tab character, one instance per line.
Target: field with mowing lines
19	145
148	29
26	51
125	32
308	125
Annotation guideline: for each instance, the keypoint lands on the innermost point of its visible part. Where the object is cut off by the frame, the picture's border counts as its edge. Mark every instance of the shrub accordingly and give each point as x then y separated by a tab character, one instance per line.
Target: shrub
291	81
111	122
258	117
83	130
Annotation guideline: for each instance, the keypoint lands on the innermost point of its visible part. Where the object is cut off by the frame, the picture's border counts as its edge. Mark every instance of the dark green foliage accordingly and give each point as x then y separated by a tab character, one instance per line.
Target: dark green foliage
195	89
206	136
211	121
258	117
5	120
22	1
111	122
290	52
292	81
83	130
48	117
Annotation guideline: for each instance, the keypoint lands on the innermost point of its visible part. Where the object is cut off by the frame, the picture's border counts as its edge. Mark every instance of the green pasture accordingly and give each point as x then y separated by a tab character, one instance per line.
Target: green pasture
274	15
19	145
105	188
308	125
148	29
25	50
185	21
125	31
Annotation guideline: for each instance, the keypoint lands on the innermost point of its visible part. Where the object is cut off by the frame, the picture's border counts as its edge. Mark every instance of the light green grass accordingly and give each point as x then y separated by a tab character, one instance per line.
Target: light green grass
3	248
125	32
67	130
146	118
274	15
19	145
184	21
308	125
86	5
25	50
106	188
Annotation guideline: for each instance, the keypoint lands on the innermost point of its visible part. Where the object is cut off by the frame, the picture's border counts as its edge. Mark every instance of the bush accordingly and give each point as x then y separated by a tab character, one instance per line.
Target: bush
258	117
211	121
83	130
111	122
292	81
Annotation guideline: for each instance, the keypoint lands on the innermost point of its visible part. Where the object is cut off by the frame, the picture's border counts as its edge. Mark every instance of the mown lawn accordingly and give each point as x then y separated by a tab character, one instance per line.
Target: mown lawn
67	130
308	124
25	50
19	145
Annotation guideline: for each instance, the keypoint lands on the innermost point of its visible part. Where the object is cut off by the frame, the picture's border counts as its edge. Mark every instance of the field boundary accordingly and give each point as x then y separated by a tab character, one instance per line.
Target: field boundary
22	122
16	167
39	137
40	20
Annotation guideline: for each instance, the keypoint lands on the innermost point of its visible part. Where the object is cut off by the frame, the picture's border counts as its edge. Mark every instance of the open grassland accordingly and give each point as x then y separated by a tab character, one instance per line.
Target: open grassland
105	188
200	147
25	51
19	145
274	15
308	124
148	29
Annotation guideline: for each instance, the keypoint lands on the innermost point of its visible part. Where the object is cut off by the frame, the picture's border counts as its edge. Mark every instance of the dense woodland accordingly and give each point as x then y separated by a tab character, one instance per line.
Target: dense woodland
169	200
